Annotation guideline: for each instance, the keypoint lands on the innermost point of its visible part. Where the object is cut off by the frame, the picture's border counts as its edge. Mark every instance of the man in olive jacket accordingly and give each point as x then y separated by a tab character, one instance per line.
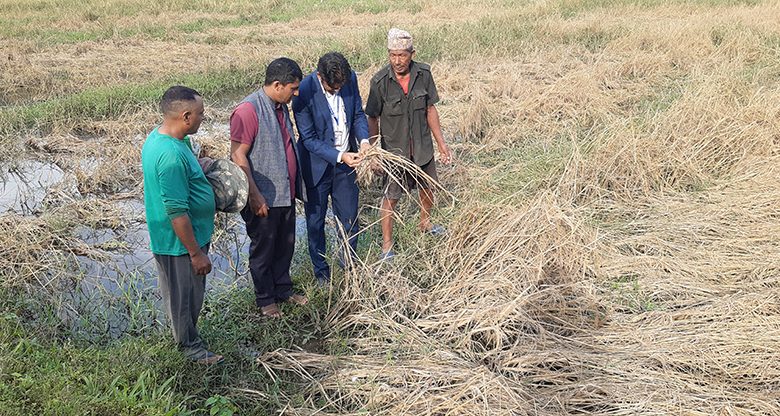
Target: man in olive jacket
401	104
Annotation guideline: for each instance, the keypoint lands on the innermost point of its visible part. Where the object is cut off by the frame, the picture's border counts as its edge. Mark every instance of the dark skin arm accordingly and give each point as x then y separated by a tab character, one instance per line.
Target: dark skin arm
182	226
257	203
373	134
373	129
435	125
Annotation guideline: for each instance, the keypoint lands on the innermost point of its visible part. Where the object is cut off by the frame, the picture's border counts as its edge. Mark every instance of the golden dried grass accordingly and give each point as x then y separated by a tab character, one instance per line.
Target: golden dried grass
33	70
529	308
42	249
643	281
713	126
443	335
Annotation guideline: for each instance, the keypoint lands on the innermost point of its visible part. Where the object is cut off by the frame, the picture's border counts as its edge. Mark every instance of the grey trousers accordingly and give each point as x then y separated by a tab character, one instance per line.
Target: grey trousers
182	293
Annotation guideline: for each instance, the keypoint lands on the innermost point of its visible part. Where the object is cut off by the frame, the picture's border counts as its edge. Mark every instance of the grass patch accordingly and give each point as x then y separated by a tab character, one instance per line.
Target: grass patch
572	8
504	36
113	102
288	11
515	173
130	377
572	245
205	23
47	369
76	22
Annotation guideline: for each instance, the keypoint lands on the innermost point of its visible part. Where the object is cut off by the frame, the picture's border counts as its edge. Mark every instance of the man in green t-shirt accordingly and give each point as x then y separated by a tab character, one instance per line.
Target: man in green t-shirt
180	210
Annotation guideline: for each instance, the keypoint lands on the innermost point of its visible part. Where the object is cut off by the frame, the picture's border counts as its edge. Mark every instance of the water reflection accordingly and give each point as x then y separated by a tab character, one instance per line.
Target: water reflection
26	185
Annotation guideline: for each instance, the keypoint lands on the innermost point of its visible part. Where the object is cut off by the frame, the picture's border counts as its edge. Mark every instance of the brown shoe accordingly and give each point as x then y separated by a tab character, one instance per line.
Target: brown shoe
271	311
297	299
211	359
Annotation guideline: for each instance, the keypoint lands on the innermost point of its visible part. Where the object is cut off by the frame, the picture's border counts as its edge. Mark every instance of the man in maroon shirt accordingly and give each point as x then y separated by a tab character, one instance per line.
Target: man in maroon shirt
262	145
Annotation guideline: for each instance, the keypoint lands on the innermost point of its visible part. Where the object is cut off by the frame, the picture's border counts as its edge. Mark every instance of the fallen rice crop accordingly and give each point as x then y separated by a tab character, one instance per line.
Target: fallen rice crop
612	244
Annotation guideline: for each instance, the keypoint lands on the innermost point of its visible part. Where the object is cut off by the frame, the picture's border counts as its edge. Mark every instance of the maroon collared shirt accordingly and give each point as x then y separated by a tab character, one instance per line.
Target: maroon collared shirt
244	127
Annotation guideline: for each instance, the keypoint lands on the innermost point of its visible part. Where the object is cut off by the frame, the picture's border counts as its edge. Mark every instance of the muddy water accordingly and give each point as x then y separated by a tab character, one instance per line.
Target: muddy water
26	185
118	293
126	284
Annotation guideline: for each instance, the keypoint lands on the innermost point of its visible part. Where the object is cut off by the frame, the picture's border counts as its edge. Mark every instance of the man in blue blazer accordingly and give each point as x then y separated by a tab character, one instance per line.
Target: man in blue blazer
331	126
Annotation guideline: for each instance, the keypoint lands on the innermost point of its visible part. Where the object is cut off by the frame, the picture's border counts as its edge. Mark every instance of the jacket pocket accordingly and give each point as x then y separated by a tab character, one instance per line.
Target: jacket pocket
419	99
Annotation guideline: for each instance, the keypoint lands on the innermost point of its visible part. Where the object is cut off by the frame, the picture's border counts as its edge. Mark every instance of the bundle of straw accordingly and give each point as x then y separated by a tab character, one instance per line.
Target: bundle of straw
396	168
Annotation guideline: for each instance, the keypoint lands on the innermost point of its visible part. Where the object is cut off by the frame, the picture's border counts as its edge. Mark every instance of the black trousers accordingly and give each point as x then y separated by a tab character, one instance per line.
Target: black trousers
270	253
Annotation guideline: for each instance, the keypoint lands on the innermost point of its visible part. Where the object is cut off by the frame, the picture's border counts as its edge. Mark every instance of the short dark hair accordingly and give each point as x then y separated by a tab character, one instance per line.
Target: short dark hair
334	69
174	95
284	70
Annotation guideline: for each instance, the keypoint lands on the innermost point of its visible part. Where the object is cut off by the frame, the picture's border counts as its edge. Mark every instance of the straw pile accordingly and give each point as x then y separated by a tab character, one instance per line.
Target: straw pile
40	249
461	330
533	311
640	275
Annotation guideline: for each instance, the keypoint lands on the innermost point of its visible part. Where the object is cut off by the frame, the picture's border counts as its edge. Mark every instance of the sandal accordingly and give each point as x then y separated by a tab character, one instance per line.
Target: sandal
271	311
437	230
297	299
211	359
387	256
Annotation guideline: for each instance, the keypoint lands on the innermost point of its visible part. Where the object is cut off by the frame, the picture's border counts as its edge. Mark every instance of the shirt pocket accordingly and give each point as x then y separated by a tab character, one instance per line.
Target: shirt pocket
394	106
419	99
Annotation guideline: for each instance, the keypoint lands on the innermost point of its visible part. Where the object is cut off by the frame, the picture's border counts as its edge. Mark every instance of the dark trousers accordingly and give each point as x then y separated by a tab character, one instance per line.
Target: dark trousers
271	252
338	182
182	294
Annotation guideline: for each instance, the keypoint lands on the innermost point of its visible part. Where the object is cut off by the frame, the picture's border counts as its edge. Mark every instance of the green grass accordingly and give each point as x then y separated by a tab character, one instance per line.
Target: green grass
95	21
115	101
629	293
57	371
135	376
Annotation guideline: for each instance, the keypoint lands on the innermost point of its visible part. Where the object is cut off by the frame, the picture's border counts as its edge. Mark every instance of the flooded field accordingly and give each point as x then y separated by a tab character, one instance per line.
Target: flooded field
112	289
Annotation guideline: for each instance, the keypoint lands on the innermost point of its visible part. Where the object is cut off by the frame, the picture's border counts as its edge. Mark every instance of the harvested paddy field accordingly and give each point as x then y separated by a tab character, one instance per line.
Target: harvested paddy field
613	213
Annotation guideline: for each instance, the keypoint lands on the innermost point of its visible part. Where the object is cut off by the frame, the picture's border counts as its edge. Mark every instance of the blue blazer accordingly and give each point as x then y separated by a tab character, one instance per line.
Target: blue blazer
316	139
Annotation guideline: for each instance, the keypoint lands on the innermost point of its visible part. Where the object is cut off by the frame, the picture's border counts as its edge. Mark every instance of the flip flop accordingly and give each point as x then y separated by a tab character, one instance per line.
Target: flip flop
437	230
297	299
387	256
271	311
210	359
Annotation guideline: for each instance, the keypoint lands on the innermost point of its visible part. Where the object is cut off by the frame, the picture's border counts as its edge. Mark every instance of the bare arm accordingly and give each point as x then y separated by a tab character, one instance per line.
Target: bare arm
435	125
238	153
373	129
182	226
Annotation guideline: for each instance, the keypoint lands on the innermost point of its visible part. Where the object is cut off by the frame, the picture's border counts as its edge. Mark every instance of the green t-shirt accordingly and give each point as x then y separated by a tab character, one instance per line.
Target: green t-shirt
174	185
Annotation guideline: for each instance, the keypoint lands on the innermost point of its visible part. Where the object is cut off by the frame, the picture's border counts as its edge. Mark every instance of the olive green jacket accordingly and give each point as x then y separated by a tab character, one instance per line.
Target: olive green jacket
403	121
